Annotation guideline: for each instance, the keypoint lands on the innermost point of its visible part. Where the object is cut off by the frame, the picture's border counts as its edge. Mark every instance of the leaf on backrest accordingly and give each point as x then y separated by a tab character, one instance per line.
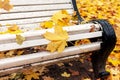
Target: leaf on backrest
5	4
13	29
46	24
58	39
20	39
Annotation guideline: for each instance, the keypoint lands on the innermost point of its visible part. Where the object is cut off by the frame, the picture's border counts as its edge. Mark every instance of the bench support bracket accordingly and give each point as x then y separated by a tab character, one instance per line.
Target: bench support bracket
99	58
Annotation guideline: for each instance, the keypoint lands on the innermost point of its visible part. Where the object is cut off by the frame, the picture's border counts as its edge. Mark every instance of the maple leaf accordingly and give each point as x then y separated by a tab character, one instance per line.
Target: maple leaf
58	39
61	18
5	4
30	73
20	39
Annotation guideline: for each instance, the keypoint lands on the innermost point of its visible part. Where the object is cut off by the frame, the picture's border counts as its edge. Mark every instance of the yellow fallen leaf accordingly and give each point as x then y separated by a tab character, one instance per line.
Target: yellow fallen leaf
5	4
46	24
32	75
19	39
58	39
61	18
13	29
65	74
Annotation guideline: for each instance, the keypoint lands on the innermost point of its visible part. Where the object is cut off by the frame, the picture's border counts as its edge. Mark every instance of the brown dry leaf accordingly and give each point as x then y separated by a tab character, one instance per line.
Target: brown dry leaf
47	78
2	55
10	53
87	79
20	39
83	41
30	73
74	73
20	52
92	28
65	74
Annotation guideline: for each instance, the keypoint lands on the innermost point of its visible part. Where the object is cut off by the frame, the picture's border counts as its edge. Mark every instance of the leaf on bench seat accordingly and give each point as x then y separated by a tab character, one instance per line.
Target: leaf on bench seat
58	39
5	4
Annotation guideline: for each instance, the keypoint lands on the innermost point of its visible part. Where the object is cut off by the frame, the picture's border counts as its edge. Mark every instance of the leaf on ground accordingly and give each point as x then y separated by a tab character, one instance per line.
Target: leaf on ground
61	18
30	73
58	39
83	41
10	53
74	73
60	64
65	74
2	55
20	52
47	78
20	39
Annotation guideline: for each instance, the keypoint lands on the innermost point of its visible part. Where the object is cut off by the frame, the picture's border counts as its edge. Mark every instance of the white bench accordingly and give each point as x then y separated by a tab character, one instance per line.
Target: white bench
29	13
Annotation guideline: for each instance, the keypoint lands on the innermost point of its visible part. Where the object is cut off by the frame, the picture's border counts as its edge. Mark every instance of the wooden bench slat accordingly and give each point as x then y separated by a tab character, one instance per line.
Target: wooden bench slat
42	56
29	2
83	28
35	38
37	42
25	21
38	8
39	14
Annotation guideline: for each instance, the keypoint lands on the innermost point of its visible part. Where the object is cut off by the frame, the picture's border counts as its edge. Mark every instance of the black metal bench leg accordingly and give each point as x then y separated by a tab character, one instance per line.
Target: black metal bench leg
99	64
99	58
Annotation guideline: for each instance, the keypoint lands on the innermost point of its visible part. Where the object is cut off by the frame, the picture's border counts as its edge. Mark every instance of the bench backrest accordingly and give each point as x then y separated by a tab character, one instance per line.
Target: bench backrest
29	13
